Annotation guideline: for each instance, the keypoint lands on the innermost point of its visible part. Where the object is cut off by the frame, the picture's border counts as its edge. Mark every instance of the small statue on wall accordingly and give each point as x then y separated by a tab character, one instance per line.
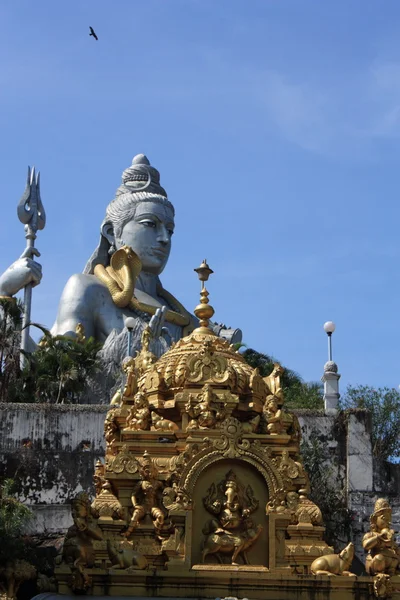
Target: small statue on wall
78	544
161	424
383	552
205	410
334	564
139	415
129	368
111	429
232	532
147	497
273	381
145	358
274	417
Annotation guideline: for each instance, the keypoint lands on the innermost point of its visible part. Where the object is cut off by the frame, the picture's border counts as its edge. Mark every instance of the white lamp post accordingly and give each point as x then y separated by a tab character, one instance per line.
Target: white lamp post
331	376
329	328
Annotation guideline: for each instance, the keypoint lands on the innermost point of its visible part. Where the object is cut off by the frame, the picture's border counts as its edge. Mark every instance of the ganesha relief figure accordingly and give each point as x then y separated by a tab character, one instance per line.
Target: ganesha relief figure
121	278
383	552
231	532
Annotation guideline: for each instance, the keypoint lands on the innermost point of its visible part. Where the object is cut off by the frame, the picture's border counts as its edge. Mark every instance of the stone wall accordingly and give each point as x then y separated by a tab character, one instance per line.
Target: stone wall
51	451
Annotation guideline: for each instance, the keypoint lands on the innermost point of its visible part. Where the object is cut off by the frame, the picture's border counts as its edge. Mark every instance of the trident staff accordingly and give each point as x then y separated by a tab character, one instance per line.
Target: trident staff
31	214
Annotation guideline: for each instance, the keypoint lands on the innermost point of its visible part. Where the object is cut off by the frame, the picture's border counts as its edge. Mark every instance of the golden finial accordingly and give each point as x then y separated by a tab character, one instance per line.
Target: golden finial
204	311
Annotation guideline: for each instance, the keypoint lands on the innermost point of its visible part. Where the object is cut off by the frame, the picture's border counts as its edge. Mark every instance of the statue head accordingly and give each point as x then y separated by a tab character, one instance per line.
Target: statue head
140	216
382	515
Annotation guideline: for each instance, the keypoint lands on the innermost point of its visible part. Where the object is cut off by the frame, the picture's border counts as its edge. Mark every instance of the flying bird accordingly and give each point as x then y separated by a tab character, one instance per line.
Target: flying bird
92	32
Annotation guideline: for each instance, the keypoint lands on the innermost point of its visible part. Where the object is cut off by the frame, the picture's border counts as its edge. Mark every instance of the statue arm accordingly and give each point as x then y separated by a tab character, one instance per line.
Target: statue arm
22	272
369	541
76	306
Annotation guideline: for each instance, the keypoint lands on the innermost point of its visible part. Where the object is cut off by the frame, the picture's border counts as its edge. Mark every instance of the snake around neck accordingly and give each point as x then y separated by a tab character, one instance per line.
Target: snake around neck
120	278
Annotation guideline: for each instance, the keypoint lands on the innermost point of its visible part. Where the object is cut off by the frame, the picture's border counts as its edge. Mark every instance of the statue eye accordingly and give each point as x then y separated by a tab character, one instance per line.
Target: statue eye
170	232
148	223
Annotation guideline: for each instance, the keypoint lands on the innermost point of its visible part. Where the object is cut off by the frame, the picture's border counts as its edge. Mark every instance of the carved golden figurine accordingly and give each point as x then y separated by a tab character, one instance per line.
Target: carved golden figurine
78	549
129	368
161	424
145	358
139	415
274	416
147	497
80	333
205	410
383	552
99	478
111	429
335	564
232	532
273	381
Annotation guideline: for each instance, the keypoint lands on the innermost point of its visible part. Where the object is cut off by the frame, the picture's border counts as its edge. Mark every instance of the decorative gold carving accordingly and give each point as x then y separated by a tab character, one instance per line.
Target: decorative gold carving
161	424
335	564
382	586
138	417
203	311
383	552
277	503
207	366
303	509
147	497
106	504
123	462
231	532
206	411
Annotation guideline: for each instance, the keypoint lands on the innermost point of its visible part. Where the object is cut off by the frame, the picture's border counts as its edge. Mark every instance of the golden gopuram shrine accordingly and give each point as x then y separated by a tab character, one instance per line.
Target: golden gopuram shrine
203	493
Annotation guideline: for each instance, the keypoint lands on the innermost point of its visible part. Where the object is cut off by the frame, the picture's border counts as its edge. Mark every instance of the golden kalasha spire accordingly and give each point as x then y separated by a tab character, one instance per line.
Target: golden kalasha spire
204	311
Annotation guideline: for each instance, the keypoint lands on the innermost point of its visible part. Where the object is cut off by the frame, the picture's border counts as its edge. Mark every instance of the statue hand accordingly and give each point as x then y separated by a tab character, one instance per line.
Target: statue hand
22	272
157	322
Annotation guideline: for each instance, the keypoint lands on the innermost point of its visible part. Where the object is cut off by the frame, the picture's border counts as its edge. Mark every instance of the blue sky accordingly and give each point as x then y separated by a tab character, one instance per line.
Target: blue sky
275	125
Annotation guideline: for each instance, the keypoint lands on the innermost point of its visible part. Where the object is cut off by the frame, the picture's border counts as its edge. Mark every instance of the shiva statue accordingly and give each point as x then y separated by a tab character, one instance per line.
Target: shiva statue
121	278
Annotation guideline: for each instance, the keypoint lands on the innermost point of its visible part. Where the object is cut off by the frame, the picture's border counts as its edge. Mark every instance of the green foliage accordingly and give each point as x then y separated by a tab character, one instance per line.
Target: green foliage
10	334
58	370
327	491
384	406
304	395
14	517
297	393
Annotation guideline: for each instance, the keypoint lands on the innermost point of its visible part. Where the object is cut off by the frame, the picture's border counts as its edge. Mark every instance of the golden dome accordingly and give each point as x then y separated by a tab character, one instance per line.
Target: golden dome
203	358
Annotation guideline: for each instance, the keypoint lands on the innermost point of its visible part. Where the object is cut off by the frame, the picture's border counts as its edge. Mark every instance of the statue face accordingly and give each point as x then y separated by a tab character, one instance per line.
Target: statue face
383	521
149	235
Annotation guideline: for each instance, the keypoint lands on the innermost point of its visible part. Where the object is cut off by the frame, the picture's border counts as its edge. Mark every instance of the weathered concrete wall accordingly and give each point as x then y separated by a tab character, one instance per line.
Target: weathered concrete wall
50	450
